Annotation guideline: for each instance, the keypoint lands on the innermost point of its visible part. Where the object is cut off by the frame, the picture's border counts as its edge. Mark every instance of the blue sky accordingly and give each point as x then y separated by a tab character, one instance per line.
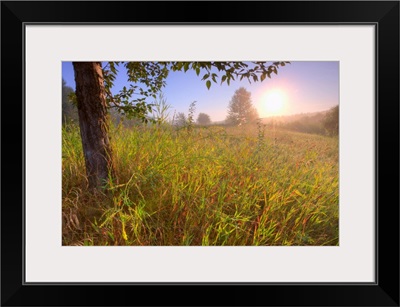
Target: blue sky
299	87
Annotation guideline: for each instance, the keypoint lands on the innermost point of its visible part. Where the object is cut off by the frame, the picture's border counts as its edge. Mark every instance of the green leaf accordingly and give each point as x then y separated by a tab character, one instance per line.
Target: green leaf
186	66
178	66
223	79
208	84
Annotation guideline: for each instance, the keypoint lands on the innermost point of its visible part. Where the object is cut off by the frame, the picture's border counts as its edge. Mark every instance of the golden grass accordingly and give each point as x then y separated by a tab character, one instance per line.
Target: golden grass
207	186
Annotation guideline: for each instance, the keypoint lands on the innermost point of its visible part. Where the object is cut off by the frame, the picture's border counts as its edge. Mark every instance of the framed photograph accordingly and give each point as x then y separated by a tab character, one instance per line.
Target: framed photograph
240	153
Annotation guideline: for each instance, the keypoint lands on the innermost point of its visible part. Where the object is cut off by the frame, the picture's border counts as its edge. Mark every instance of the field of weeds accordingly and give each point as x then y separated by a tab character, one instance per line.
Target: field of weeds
215	185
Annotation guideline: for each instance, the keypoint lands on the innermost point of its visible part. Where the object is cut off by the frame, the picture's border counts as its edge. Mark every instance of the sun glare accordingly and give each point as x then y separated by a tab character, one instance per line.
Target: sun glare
274	102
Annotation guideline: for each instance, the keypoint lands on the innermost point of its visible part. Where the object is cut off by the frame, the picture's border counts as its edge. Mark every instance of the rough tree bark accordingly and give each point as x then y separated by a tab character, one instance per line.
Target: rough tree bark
93	122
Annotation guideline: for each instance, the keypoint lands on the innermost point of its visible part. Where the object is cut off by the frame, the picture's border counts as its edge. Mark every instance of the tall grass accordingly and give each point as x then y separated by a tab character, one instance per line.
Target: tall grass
205	186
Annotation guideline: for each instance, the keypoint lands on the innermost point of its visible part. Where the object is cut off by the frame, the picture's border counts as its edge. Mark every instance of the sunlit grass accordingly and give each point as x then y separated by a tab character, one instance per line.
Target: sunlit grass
208	186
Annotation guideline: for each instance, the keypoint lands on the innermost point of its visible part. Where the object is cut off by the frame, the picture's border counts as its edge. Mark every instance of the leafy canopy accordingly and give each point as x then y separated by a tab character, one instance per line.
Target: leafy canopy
146	79
331	121
69	110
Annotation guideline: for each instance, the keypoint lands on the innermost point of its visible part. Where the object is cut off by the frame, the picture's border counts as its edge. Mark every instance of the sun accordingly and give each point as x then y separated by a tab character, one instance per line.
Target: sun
274	102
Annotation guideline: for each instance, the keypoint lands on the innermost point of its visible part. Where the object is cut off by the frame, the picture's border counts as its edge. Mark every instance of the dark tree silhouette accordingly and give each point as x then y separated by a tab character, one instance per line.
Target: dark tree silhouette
331	121
69	110
203	119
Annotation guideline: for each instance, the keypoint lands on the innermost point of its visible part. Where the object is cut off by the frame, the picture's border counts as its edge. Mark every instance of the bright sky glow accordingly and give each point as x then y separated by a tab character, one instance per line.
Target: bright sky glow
273	103
299	87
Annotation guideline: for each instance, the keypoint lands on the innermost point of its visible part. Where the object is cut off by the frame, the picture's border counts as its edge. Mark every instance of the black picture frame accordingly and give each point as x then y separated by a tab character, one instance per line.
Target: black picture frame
383	14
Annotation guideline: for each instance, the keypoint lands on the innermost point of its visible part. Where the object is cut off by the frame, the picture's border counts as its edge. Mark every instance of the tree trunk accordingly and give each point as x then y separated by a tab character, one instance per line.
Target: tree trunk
93	122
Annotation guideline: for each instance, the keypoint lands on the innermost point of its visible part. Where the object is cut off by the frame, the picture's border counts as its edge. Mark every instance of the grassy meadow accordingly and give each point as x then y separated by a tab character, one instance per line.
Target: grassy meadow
214	185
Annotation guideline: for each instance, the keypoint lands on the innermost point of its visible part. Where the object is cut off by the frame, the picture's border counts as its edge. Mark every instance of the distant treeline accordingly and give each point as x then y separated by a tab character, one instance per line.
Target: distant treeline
323	123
